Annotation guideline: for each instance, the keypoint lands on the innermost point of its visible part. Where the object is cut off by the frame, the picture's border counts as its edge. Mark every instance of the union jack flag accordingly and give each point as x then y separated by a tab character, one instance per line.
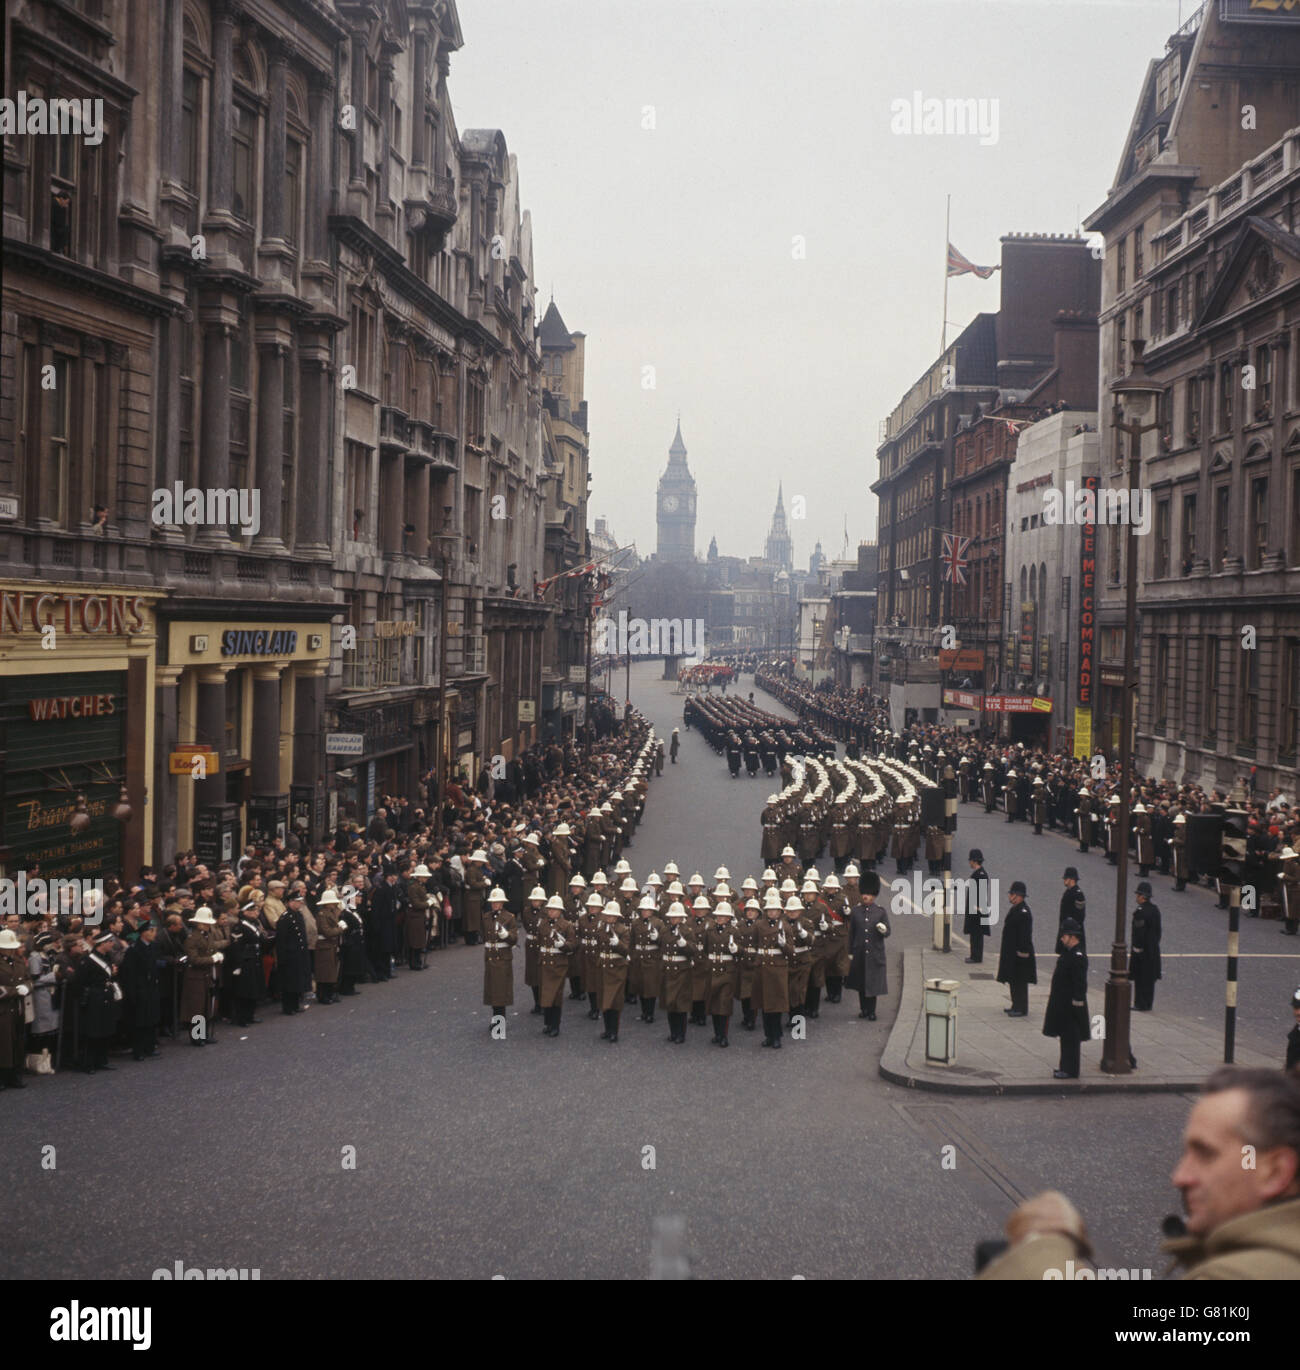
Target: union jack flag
954	558
959	265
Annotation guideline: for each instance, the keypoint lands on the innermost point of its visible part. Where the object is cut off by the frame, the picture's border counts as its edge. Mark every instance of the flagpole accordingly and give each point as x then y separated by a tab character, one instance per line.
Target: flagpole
947	234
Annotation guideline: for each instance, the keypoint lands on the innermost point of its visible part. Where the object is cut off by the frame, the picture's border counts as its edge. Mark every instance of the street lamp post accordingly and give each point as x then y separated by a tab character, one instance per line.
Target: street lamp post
1134	395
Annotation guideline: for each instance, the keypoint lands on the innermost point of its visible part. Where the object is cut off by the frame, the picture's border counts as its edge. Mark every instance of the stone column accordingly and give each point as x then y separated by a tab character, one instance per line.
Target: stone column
273	224
417	506
266	729
163	793
221	148
316	399
356	167
320	104
270	442
385	147
214	438
308	710
210	725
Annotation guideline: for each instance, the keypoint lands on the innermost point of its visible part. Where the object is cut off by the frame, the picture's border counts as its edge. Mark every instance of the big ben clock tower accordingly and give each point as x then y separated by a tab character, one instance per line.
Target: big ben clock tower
676	506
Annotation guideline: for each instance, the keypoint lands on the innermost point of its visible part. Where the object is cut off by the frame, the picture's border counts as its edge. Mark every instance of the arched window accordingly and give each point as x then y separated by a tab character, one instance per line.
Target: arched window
1042	581
1024	584
1033	584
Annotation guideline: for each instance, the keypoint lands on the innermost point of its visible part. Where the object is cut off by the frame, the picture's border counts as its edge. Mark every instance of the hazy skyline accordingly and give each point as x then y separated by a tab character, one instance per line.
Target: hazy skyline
674	246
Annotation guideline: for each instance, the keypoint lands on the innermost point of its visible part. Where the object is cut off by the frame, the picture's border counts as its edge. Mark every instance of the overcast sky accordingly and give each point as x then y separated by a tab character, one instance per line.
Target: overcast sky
673	247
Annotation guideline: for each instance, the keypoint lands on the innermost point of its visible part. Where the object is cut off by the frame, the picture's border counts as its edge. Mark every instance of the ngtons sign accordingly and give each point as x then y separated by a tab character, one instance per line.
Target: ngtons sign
1087	599
22	611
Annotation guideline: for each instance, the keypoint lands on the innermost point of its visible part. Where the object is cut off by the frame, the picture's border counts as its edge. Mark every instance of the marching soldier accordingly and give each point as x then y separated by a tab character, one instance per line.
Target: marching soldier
556	939
1144	961
841	835
1178	843
818	913
801	945
1145	847
789	867
573	912
748	961
499	937
531	919
838	962
773	953
1039	801
851	877
593	844
476	887
588	928
675	990
721	951
645	969
612	939
1067	1002
561	859
700	908
810	831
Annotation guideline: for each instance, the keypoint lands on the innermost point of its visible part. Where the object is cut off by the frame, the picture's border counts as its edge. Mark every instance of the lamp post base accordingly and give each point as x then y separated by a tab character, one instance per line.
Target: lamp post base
1116	1052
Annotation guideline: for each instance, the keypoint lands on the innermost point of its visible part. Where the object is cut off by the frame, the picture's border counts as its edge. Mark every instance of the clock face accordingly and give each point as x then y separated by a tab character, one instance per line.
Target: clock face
670	504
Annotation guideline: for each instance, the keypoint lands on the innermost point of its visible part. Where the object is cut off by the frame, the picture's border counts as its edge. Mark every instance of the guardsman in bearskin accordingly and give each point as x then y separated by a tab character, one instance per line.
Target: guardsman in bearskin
500	935
557	938
1146	855
645	967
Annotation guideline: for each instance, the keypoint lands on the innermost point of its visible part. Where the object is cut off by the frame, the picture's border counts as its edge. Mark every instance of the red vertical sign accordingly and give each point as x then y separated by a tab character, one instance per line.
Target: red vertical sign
1087	595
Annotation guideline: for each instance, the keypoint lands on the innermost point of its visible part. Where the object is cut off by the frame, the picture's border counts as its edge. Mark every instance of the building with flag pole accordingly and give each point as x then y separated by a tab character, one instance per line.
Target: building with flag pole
1020	356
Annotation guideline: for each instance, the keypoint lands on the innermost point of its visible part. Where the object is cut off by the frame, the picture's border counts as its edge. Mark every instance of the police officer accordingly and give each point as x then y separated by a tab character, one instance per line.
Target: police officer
1293	1037
1145	957
1073	905
976	924
1288	891
1017	966
1067	1002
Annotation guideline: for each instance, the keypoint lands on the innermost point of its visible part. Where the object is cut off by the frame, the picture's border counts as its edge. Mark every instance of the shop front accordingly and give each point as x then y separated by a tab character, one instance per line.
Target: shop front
248	693
76	729
377	756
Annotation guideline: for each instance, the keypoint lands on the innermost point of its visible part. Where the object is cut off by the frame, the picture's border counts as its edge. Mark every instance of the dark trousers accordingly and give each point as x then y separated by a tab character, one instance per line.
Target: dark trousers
747	1012
347	985
697	1012
676	1026
97	1052
611	1024
144	1041
575	987
289	1003
772	1028
414	960
553	1017
244	1009
720	1021
1070	1041
834	988
592	1011
866	1002
1144	994
326	994
812	1004
647	1009
977	945
1020	995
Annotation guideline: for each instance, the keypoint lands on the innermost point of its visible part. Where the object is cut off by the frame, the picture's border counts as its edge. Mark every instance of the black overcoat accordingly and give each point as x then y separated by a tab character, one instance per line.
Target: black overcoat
1017	937
1067	1001
867	962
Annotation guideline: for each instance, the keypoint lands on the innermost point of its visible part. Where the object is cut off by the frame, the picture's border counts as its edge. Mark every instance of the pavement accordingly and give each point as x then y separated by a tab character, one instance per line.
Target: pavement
1000	1055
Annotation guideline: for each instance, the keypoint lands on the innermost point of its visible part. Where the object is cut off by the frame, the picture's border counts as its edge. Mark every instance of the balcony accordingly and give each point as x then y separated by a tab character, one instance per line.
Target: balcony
434	211
394	430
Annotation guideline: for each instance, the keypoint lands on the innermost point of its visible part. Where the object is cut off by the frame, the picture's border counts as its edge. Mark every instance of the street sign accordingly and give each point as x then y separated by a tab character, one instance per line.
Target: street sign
1083	731
345	744
181	761
527	710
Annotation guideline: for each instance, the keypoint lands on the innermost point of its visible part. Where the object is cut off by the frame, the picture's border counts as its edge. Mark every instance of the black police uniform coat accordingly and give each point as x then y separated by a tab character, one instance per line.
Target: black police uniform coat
1017	936
868	969
100	1007
1073	905
1067	1001
138	978
977	911
1145	962
292	959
